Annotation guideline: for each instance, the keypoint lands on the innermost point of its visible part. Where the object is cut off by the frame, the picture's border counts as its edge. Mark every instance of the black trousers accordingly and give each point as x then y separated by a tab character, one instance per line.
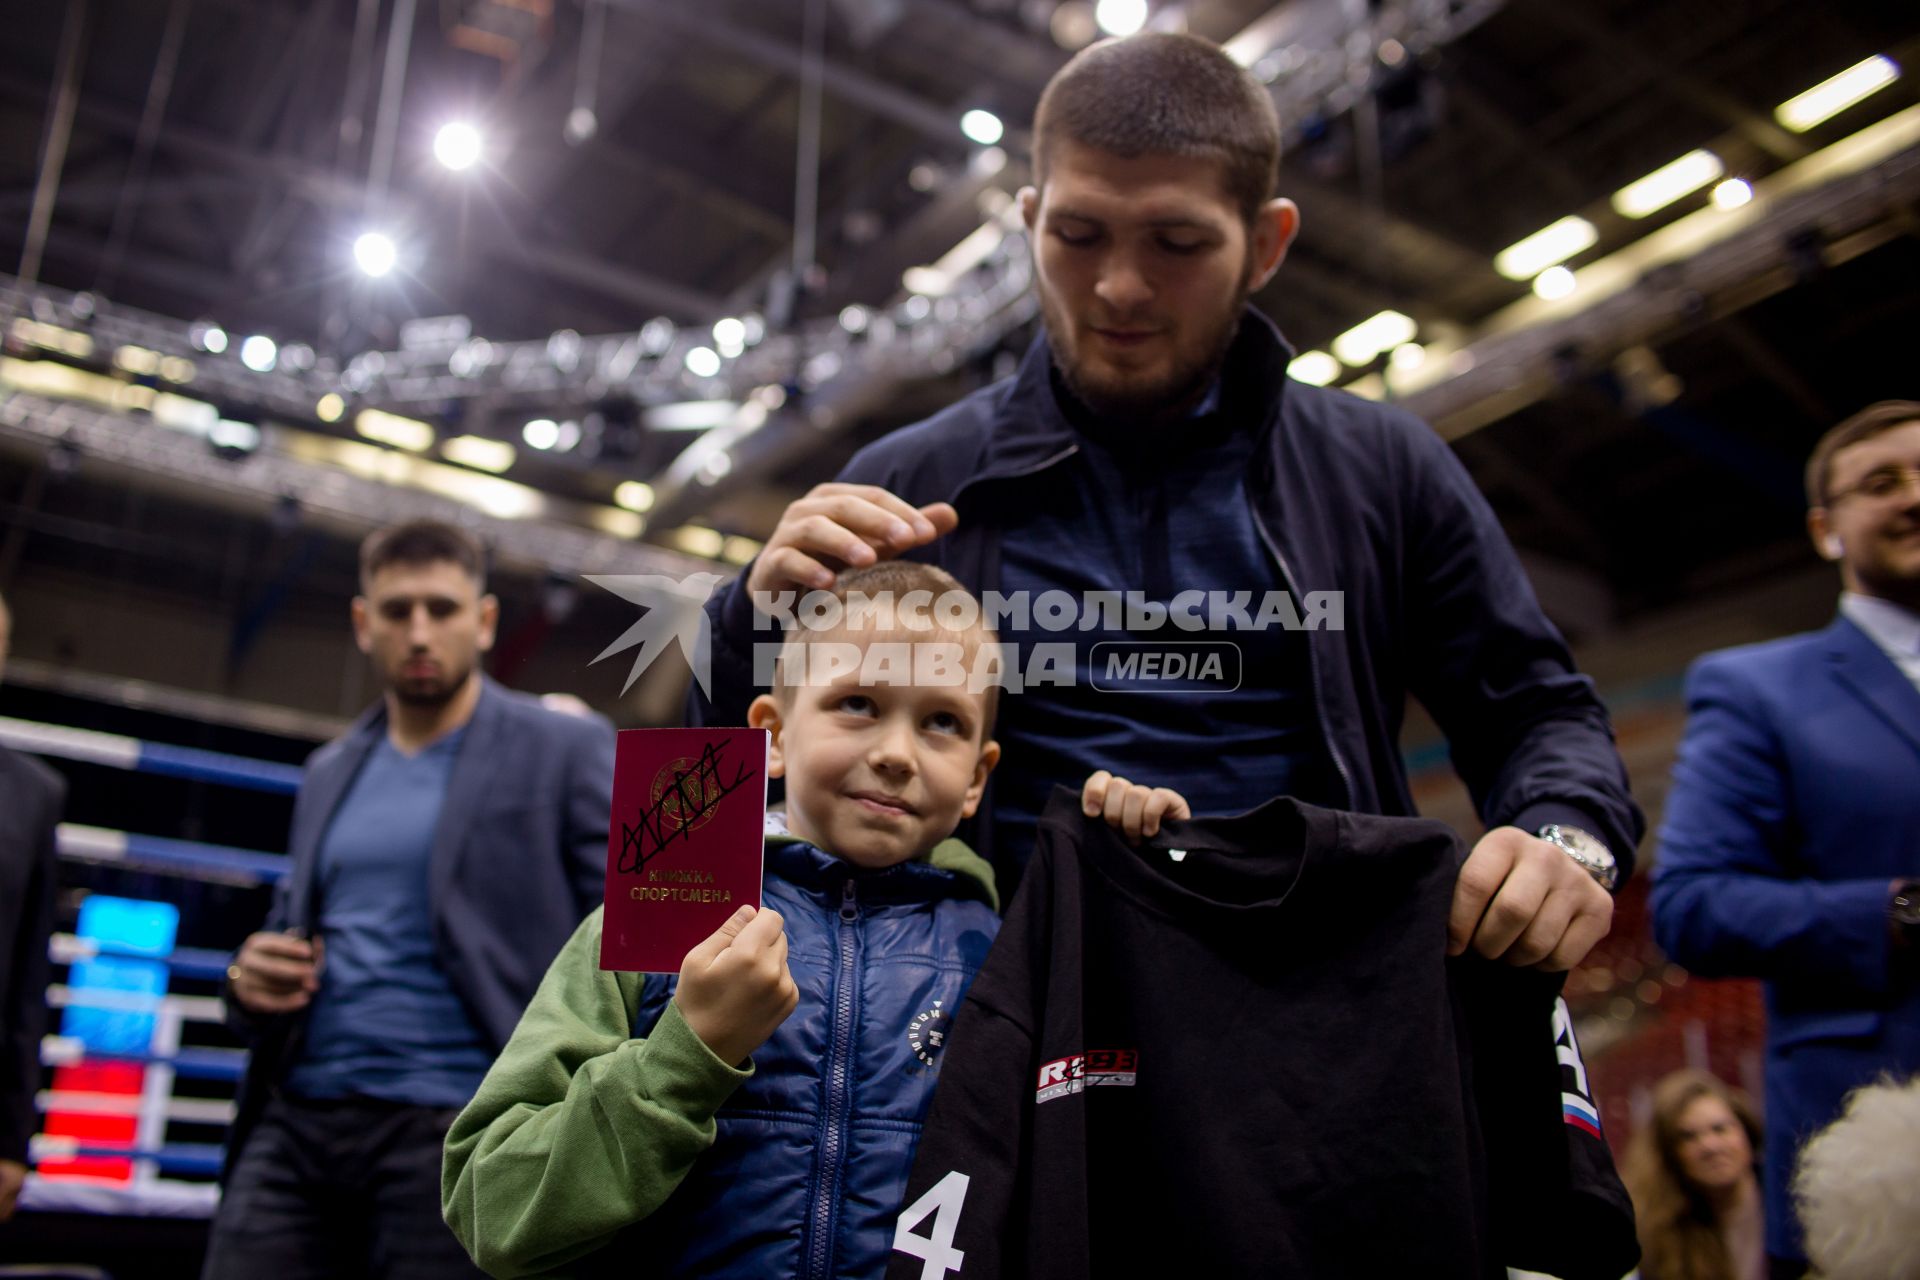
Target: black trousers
337	1189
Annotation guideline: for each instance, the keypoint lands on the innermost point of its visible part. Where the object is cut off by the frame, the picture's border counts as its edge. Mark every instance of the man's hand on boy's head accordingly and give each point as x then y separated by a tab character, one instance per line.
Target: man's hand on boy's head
735	987
1129	808
1524	901
847	525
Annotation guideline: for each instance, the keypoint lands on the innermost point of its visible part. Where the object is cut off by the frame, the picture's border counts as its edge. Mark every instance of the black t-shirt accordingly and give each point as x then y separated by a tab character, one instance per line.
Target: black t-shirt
1255	1059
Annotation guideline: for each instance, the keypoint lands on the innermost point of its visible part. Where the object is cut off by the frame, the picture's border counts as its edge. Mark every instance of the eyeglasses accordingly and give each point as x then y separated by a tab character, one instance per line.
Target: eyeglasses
1880	484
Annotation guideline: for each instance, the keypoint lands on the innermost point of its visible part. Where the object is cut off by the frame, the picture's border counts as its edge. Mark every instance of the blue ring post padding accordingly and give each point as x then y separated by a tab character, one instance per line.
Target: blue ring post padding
186	962
217	766
190	1063
192	855
174	1157
198	962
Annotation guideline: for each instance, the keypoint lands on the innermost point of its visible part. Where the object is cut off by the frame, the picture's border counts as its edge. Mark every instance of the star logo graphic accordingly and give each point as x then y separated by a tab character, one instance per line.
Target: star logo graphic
675	610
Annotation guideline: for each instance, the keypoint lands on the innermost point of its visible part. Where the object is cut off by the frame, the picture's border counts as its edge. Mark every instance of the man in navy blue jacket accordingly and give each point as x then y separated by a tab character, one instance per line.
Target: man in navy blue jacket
1152	466
1789	850
31	797
442	852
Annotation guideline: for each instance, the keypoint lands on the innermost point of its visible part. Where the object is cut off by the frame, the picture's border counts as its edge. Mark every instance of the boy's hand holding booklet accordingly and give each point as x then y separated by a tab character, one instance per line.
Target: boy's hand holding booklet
684	847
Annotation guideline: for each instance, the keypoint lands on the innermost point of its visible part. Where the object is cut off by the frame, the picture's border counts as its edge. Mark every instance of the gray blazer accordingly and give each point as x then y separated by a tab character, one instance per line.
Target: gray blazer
518	860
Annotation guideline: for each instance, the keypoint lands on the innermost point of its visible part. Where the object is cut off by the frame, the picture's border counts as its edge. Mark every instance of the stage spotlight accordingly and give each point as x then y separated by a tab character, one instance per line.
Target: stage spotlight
982	127
375	253
259	353
1120	17
457	145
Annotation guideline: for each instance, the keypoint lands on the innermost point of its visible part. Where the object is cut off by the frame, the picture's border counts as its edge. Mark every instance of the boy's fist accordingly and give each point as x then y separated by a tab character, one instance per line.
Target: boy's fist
735	987
1131	809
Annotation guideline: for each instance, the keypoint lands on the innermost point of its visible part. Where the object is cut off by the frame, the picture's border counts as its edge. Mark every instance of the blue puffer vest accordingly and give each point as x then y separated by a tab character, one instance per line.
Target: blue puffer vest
806	1174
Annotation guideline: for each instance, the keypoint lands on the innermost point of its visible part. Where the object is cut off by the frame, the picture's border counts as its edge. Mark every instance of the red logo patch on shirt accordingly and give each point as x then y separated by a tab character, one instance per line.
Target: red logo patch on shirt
1093	1069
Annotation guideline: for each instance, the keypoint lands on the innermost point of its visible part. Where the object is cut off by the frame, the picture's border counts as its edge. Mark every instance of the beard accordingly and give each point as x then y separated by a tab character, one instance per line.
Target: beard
430	691
1124	402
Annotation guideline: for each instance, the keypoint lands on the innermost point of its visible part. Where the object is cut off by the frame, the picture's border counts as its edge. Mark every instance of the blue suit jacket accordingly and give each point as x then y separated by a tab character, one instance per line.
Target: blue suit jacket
1795	804
519	858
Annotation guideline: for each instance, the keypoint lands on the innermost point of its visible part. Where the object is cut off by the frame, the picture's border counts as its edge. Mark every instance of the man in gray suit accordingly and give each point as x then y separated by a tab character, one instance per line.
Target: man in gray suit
442	851
31	796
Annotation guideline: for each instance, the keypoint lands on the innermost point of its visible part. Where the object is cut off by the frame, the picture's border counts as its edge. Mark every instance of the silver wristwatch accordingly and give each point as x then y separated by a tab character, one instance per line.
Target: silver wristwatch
1594	857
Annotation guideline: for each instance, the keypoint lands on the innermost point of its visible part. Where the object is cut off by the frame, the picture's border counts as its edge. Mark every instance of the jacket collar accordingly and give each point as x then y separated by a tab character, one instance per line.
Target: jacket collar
951	870
1865	669
1035	431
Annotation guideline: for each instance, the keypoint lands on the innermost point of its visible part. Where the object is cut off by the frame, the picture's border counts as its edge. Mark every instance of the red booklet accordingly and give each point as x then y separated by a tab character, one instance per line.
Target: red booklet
684	846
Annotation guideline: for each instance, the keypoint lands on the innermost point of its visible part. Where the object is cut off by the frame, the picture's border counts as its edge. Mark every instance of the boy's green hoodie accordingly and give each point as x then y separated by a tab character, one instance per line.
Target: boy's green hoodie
581	1128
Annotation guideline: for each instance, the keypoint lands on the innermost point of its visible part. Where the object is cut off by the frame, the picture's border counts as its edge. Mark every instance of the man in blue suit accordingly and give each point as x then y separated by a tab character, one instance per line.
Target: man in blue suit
1791	848
442	852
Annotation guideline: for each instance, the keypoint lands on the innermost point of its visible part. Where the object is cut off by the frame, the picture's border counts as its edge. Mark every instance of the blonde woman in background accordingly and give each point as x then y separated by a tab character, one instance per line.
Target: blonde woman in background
1695	1188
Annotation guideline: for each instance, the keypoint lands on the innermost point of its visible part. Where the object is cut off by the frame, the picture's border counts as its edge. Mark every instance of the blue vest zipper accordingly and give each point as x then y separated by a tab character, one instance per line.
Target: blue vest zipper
839	1088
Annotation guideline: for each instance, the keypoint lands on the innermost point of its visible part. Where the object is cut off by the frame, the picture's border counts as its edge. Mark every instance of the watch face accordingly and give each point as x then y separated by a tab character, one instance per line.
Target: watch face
1591	848
1585	850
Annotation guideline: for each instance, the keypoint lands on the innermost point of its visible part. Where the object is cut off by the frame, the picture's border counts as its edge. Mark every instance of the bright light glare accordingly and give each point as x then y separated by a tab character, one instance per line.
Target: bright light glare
457	145
478	452
390	428
634	495
1731	194
331	408
213	339
1554	282
1830	97
1383	332
703	362
730	332
375	253
1407	357
259	353
1315	368
231	433
1120	17
982	127
541	433
1668	183
1555	243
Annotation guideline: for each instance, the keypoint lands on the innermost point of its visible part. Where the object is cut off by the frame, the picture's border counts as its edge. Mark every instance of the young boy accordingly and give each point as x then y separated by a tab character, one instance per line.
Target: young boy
757	1115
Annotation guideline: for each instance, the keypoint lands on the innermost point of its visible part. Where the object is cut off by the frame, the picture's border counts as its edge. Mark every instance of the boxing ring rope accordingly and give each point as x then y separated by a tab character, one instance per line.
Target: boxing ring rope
141	1075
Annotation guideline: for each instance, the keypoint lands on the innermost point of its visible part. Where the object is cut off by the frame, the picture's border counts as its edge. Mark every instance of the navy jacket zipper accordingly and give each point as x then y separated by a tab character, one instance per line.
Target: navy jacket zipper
839	1088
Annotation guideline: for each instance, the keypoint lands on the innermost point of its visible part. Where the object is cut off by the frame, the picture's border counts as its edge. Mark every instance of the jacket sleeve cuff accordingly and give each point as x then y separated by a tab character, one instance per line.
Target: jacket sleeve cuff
688	1075
1567	814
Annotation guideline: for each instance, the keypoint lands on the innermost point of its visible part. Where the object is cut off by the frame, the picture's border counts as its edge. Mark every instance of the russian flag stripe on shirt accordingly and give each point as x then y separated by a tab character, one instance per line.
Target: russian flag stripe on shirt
1580	1113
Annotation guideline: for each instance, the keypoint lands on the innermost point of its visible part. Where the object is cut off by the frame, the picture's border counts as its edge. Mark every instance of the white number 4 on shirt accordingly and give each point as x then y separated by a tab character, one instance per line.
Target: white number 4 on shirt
943	1201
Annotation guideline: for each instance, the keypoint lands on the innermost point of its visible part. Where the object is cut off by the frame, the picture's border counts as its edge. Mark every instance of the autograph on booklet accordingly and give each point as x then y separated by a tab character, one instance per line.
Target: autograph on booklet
684	844
685	796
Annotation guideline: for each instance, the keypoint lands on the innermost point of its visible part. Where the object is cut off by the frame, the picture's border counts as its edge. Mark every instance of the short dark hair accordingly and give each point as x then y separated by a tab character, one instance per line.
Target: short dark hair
1164	94
421	542
1864	425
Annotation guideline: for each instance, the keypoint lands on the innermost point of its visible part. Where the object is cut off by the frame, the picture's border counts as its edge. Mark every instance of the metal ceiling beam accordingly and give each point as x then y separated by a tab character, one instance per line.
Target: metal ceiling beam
843	81
1673	77
1518	138
318	184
